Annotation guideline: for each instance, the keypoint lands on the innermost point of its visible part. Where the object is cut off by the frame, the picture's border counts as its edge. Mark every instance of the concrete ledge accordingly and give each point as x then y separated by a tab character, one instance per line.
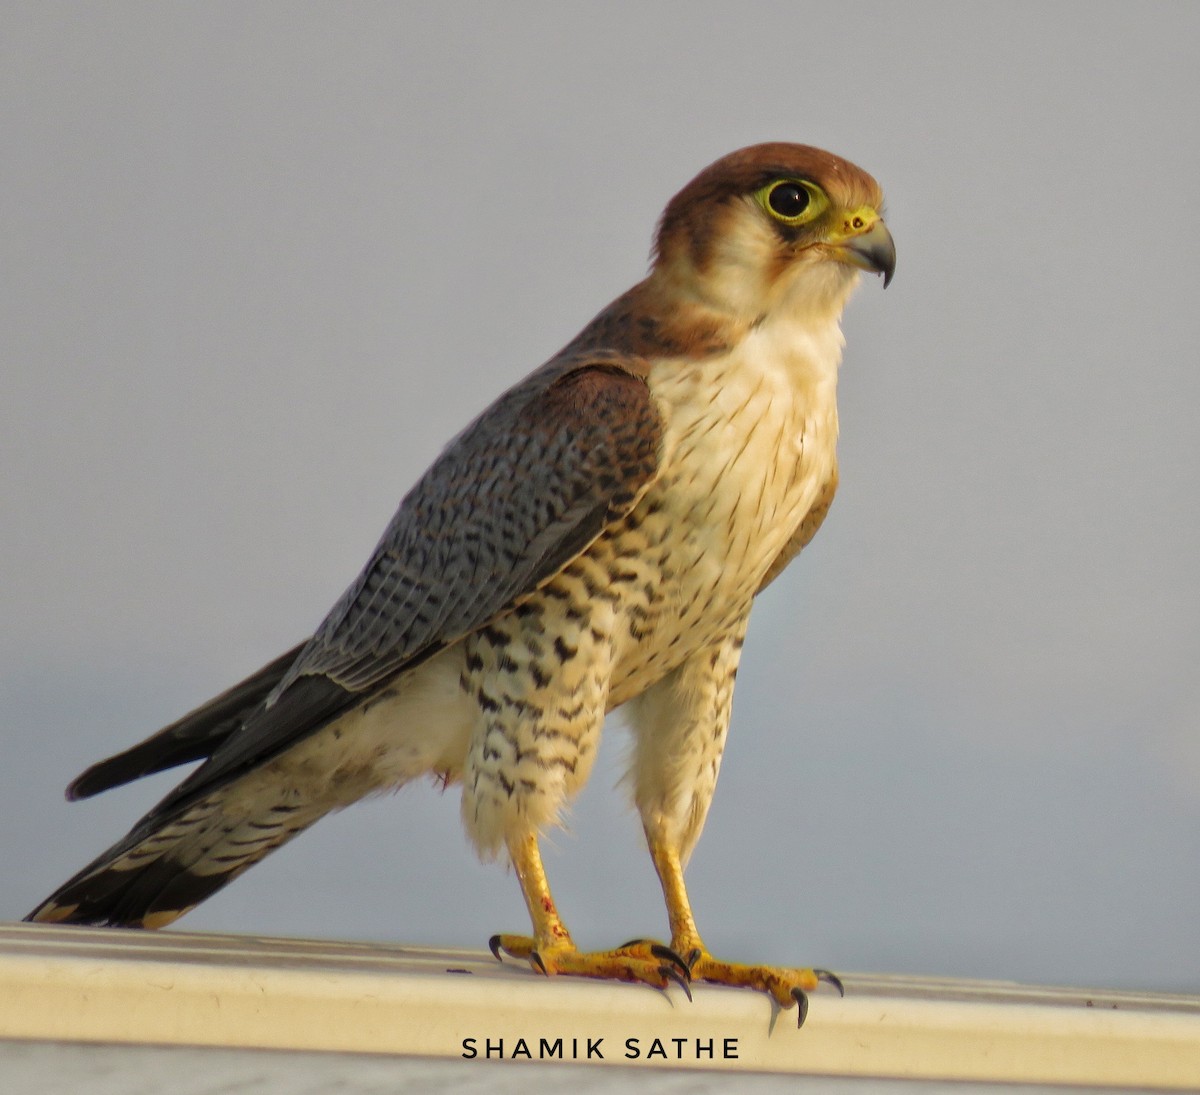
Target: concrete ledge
173	988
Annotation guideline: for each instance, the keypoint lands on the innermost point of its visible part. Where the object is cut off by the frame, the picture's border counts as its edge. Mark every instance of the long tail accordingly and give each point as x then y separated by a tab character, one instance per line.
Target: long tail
270	773
171	862
190	845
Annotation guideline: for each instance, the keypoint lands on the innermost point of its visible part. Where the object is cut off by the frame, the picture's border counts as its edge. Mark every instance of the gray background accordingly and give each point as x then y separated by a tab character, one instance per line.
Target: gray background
261	261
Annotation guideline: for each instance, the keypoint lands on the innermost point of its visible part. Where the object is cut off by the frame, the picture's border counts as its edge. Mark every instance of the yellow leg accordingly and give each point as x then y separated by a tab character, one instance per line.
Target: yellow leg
551	949
787	987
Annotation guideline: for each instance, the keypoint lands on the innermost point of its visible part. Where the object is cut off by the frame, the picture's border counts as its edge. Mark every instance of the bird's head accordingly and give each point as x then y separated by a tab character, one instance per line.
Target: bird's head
773	226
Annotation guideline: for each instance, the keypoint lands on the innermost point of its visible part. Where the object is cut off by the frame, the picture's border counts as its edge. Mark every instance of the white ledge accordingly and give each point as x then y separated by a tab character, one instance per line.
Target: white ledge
174	988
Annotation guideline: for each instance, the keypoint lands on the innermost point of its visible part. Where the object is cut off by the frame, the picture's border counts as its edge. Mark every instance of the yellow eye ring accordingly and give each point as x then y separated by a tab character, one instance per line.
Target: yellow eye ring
793	201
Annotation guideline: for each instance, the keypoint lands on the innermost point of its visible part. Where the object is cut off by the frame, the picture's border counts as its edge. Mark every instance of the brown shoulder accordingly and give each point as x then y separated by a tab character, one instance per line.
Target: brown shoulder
601	384
605	408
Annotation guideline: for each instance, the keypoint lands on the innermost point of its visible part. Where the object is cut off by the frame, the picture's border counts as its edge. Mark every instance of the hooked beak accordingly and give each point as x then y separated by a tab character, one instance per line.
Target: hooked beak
869	248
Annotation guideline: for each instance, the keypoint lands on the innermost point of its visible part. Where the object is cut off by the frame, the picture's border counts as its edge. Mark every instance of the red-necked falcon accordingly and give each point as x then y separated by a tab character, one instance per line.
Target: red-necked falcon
594	539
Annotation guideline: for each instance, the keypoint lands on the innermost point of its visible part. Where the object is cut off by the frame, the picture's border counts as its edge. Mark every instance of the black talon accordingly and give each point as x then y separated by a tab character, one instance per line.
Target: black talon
668	955
673	974
632	943
537	959
831	979
801	998
693	957
494	947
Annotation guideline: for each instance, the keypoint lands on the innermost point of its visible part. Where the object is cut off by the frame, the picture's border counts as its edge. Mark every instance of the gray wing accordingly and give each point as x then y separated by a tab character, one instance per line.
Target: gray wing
196	736
518	494
523	490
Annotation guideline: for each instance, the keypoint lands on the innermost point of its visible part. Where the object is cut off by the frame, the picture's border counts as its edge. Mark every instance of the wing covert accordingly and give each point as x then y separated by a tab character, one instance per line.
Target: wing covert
512	500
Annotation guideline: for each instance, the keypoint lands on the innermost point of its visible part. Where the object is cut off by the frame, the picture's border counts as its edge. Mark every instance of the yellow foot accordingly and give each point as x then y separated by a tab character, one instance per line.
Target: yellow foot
641	960
786	986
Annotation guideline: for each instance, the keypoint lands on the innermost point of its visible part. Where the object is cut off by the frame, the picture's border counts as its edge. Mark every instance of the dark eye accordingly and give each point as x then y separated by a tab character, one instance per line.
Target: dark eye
792	201
788	199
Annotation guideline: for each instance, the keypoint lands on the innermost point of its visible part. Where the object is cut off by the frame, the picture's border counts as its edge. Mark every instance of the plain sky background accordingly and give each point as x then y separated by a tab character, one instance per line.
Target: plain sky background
260	261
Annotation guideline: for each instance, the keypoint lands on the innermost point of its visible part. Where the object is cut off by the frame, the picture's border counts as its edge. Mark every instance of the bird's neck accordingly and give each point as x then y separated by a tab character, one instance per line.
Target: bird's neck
673	314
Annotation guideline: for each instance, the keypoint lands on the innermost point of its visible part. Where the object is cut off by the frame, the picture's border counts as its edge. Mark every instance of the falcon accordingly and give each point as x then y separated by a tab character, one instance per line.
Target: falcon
595	539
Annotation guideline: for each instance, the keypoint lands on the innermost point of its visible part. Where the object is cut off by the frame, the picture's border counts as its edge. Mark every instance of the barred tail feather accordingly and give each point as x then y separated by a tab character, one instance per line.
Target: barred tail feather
169	864
317	748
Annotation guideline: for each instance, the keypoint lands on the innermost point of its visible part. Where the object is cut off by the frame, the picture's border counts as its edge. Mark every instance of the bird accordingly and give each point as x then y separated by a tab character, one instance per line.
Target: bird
594	540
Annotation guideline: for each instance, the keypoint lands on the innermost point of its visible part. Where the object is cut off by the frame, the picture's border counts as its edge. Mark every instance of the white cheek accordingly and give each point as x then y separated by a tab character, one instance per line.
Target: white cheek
737	274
